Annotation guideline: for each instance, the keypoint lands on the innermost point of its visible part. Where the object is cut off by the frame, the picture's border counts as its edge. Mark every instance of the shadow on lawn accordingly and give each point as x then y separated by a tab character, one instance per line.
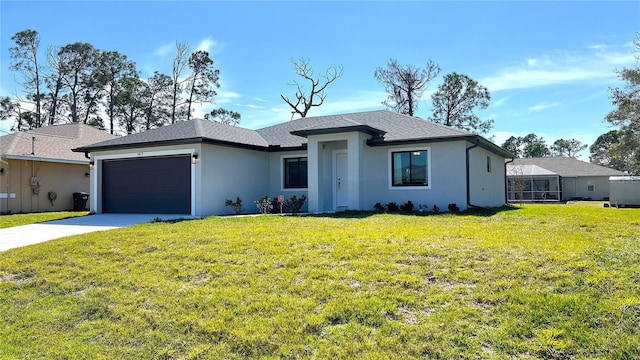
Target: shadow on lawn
481	212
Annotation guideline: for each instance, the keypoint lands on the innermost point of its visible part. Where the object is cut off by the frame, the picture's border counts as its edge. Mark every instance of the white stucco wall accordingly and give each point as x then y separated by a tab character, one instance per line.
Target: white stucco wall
228	172
447	173
487	189
223	172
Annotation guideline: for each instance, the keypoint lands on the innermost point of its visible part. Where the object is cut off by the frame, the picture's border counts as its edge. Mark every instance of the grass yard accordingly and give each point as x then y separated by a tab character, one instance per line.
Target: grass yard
535	282
32	218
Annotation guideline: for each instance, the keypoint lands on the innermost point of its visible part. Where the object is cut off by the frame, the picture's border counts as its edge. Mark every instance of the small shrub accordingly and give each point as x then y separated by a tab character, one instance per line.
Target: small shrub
294	204
264	205
276	206
392	207
237	205
435	208
408	206
378	207
423	207
453	207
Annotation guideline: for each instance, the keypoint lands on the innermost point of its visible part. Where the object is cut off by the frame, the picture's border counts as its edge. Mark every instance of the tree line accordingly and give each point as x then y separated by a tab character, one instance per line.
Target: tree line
80	83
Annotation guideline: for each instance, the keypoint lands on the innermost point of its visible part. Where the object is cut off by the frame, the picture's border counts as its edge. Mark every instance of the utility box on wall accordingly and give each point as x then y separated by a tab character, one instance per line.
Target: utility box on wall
624	191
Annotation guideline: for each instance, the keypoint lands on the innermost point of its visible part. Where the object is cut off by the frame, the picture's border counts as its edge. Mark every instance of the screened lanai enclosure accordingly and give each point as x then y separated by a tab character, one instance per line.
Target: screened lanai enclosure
532	183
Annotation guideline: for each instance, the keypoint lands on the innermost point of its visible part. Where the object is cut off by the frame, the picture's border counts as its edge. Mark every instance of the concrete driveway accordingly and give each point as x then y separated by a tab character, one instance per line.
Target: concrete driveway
18	236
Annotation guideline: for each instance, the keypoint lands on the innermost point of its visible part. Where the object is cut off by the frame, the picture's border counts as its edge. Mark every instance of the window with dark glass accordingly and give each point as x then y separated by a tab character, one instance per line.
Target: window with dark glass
409	168
295	173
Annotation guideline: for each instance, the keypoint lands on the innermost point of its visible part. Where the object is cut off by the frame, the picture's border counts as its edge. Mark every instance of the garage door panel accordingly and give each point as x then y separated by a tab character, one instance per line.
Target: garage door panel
149	185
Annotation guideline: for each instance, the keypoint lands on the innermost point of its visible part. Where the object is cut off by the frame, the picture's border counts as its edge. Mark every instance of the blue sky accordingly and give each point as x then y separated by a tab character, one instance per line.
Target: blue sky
548	65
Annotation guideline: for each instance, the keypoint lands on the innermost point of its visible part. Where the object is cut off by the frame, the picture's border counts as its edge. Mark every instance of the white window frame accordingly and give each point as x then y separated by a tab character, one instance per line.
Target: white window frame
292	156
390	168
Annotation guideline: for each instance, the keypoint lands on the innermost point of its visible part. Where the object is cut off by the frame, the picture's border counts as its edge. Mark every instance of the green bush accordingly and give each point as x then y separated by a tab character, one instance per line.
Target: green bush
294	204
265	205
237	205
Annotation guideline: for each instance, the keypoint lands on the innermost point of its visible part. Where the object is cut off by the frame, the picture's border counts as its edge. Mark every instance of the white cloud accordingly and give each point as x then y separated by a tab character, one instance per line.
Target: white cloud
207	44
596	62
360	101
500	102
164	50
226	97
543	106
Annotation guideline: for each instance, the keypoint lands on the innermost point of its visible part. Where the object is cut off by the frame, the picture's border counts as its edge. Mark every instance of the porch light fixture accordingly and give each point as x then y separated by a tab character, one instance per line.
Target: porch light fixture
194	158
91	164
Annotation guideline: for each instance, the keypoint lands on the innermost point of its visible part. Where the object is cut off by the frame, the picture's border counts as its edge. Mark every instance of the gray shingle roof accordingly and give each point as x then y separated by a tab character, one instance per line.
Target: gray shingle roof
194	130
393	127
52	142
566	166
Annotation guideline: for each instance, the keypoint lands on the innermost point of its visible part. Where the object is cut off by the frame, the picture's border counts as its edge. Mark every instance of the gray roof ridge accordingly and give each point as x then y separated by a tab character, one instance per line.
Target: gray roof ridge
466	132
199	127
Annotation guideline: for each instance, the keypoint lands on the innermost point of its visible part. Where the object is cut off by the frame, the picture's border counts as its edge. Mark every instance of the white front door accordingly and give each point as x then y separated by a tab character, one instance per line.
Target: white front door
341	180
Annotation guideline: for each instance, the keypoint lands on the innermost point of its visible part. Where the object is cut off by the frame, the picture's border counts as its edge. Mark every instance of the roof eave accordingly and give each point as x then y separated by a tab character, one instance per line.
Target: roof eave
44	159
199	140
336	130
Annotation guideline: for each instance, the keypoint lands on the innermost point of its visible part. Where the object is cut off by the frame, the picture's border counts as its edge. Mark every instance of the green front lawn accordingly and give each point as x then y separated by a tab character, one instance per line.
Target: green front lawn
539	281
33	218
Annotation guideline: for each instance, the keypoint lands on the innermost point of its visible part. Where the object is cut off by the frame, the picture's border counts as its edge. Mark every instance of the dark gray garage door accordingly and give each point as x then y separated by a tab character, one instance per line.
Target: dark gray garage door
151	185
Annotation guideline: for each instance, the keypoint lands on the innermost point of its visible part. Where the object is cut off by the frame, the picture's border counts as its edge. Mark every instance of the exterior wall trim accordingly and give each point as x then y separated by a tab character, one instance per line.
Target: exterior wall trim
97	172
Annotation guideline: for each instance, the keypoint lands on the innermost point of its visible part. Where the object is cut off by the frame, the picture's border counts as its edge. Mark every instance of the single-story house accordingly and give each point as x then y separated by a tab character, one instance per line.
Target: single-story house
348	161
557	178
38	170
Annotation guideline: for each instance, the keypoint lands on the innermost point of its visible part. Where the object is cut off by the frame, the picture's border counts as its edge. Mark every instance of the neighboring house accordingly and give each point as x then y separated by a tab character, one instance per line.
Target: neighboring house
340	162
557	179
38	170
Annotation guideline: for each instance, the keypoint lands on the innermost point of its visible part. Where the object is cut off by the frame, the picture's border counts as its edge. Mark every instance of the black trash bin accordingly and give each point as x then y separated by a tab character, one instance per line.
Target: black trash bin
80	200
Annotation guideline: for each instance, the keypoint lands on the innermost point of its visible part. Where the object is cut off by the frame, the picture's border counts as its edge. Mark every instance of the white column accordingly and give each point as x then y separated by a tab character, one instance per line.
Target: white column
355	144
313	182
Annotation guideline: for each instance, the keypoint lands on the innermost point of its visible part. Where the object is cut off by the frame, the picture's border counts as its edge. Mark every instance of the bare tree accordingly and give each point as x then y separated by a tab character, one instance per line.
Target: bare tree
304	102
180	62
405	84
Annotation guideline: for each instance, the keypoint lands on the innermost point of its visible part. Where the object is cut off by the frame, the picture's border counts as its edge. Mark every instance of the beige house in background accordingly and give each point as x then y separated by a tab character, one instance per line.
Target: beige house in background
38	170
557	179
